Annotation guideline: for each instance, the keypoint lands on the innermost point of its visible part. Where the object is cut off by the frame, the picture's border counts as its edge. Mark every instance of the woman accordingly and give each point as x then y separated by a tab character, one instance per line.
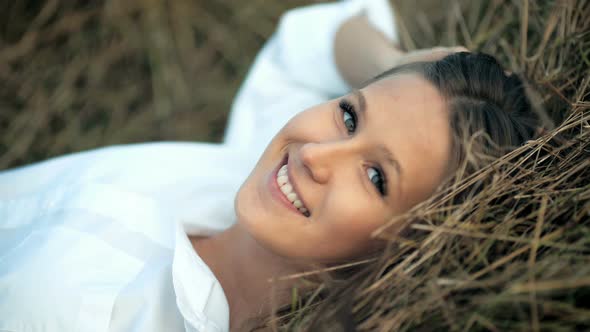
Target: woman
93	241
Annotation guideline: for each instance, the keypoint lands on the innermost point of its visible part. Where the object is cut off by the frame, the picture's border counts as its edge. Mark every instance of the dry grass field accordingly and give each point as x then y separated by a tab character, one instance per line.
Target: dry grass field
79	74
75	75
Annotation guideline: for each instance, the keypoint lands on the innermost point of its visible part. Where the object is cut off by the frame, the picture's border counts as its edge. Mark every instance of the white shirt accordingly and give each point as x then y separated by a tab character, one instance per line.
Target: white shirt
97	240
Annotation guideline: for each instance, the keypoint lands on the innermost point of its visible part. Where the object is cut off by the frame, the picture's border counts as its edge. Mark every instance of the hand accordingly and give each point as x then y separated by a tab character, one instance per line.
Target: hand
361	52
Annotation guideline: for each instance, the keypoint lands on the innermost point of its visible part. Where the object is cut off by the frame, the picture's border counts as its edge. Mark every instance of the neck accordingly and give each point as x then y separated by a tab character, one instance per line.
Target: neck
244	270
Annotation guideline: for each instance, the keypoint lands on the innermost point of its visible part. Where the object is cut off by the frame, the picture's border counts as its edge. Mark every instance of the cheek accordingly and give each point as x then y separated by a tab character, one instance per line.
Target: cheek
349	225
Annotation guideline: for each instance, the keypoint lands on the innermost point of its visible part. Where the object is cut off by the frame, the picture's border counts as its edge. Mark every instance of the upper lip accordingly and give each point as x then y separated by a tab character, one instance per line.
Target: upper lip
290	165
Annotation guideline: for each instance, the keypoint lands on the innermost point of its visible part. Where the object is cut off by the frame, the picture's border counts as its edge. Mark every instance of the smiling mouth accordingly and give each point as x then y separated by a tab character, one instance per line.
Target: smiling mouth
288	191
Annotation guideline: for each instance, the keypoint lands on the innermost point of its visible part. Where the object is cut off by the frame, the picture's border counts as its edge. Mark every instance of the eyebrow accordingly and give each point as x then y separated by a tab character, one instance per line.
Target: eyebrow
385	151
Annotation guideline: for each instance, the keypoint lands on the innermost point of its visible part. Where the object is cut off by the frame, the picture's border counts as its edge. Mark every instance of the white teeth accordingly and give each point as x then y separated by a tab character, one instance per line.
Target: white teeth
281	180
292	197
287	189
283	170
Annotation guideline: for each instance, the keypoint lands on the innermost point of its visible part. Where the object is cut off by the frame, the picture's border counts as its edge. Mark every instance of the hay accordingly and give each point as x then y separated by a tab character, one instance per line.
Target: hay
80	74
515	256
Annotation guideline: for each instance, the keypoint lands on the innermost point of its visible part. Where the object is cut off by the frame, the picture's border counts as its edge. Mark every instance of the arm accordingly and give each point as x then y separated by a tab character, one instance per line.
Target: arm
296	69
361	52
317	53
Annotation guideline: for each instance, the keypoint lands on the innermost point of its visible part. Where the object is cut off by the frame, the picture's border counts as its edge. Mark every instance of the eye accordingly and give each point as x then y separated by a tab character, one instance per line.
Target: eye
348	116
377	177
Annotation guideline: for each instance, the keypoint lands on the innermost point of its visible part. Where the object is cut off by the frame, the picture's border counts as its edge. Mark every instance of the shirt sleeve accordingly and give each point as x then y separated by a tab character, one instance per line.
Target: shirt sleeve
195	181
296	69
306	40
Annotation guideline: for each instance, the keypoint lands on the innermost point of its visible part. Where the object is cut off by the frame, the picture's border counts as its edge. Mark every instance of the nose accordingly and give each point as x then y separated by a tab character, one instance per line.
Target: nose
322	159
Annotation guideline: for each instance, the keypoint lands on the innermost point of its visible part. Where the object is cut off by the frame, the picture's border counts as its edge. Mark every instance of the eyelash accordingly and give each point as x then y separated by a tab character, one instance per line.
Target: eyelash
347	108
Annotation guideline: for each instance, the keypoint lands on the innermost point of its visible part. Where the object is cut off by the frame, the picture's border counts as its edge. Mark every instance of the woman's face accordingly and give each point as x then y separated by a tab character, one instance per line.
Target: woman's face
351	164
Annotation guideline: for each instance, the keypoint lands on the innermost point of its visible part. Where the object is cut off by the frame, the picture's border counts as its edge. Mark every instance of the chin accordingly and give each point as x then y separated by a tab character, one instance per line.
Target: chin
262	227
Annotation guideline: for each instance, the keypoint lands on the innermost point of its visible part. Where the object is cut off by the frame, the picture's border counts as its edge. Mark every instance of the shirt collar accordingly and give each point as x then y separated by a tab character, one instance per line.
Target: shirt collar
199	295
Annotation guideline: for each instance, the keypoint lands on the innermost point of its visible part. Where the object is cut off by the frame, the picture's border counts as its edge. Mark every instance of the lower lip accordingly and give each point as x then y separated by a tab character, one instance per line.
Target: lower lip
276	192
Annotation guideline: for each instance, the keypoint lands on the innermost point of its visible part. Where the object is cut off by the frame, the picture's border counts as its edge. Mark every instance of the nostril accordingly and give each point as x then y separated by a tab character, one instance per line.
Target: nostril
308	171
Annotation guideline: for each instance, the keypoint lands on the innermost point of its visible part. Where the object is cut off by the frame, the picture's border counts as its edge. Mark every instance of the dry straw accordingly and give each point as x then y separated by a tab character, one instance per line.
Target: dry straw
80	74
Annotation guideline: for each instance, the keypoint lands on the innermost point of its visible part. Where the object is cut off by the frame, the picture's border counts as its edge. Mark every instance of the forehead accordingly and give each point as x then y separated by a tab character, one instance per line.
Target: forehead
409	116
